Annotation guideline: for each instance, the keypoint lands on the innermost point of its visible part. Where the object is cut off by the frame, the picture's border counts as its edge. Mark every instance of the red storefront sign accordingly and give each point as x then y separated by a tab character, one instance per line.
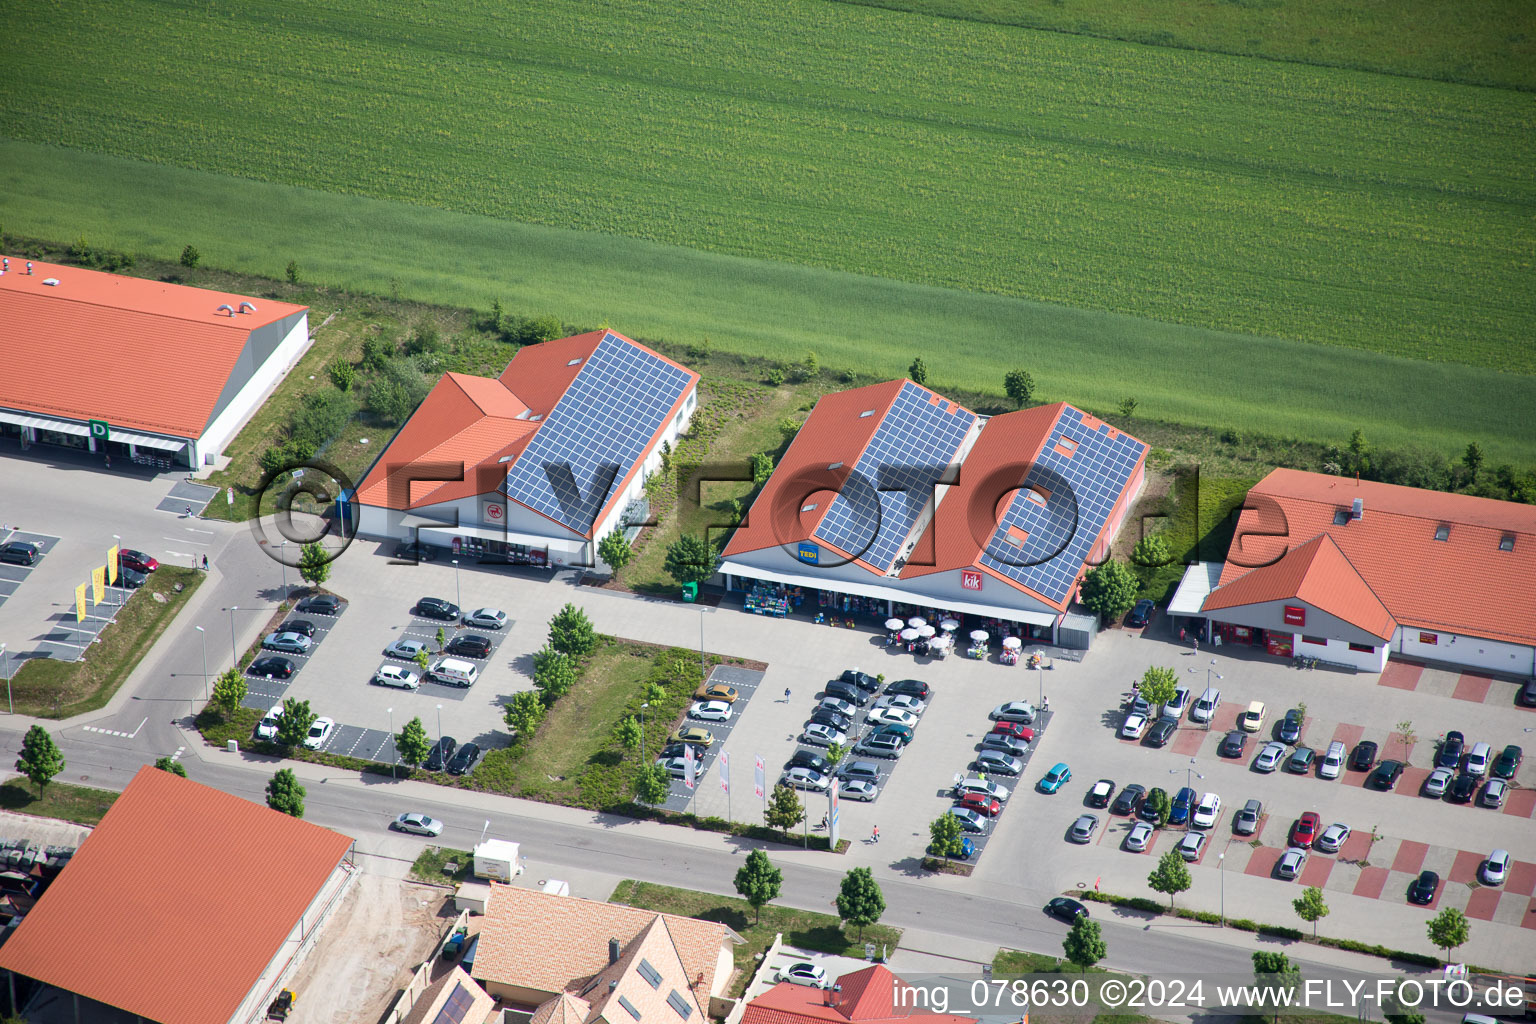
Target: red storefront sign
1295	615
970	579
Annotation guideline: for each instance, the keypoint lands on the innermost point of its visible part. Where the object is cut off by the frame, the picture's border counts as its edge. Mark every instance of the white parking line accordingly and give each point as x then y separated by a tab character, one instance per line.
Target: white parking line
128	735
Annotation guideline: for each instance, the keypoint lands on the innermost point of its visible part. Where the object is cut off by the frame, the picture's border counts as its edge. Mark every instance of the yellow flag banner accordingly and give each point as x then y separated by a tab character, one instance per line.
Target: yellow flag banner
98	584
112	564
80	603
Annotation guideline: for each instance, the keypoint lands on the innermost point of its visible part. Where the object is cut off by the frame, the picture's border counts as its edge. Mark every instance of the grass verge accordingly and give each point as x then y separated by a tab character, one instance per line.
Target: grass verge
46	688
82	805
432	865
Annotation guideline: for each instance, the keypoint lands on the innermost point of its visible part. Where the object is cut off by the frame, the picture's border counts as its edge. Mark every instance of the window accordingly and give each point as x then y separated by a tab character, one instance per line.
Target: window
649	973
866	414
1431	639
682	1006
1340	516
807	508
573	362
1037	495
1016	536
458	1004
1363	648
1442	532
629	1007
835	465
1320	641
1507	542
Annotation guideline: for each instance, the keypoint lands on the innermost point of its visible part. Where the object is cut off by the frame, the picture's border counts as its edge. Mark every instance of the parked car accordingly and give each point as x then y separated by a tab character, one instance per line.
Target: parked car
1332	838
414	551
1066	908
1252	718
1007	744
1496	868
969	820
1451	749
1289	729
1129	800
19	552
1269	757
406	650
437	608
1134	728
1300	760
1191	845
290	643
1139	705
826	716
397	676
417	824
1183	803
1462	788
1363	757
1493	794
1437	782
848	692
319	733
981	803
1148	809
1017	729
880	745
1014	711
717	691
1422	891
1176	707
1478	759
138	561
1385	775
298	626
468	645
320	604
813	975
1161	732
272	668
696	735
911	688
1053	780
441	753
1526	695
1141	613
266	729
463	760
1206	811
858	789
863	680
805	778
891	716
710	711
1246	821
1291	862
837	704
675	766
1101	792
1204	709
1332	762
984	786
130	579
1305	830
803	758
1233	744
1084	828
901	702
995	762
901	732
1139	836
486	618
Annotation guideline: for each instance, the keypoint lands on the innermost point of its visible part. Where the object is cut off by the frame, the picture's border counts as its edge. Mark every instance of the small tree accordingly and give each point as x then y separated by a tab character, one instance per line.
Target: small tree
1449	929
615	550
860	901
652	785
524	713
229	691
423	659
292	272
1151	552
628	734
40	758
1397	1010
655	693
1359	454
690	559
1019	386
571	632
762	468
167	764
1110	590
1275	975
314	564
284	793
1158	685
1084	944
810	366
1162	806
497	321
1170	877
412	744
441	638
944	836
343	375
190	256
1128	406
553	674
758	882
918	371
295	723
835	754
1310	907
1472	458
1406	734
784	810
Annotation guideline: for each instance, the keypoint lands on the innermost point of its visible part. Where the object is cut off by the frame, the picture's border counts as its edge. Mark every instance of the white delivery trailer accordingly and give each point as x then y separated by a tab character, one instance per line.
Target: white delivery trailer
497	859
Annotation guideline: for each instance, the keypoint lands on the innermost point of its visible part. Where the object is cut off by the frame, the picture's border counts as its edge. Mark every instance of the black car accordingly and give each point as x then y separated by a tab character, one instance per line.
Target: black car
132	579
298	626
680	749
1129	800
910	687
1526	697
469	645
1148	809
846	691
1233	743
1451	749
826	716
415	551
19	552
1066	908
437	608
1161	733
442	752
1099	794
321	604
863	680
1461	790
1422	891
803	758
464	760
1363	757
277	668
1385	775
1141	613
1289	728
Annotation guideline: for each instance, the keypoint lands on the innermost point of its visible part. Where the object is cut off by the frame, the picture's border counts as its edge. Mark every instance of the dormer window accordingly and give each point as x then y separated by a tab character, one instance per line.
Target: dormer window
1507	542
1442	532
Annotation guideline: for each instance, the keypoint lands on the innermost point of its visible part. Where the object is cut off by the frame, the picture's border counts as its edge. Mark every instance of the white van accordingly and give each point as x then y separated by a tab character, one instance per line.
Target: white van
1333	761
1205	708
455	672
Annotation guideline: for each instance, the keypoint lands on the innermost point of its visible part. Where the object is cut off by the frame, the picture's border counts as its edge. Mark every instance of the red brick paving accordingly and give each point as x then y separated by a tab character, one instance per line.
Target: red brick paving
1482	903
1522	878
1465	867
1187	741
1411	781
1317	870
1520	802
1354	778
1472	687
1225	719
1401	675
1371	882
1393	750
1528	919
1356	847
1262	863
1348	734
1410	857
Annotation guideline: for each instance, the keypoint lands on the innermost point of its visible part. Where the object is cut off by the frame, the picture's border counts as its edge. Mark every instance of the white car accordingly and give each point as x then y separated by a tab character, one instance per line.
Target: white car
1207	811
984	786
1175	708
319	732
902	702
970	821
807	778
1269	758
397	675
710	711
1496	868
486	618
1014	711
858	789
417	824
1191	845
1134	728
891	716
1332	838
1291	863
406	649
266	729
1138	837
839	705
676	767
813	975
823	735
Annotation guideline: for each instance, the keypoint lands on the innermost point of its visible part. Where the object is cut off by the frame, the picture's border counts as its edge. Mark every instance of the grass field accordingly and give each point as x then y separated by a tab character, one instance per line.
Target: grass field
1374	212
1181	375
1491	43
82	805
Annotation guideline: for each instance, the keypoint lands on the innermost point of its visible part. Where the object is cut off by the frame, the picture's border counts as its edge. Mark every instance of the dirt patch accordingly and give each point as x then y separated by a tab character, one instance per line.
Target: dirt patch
1153	501
381	932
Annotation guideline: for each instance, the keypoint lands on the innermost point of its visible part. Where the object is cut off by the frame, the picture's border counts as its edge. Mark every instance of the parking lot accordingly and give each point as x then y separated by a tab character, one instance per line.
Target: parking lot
746	683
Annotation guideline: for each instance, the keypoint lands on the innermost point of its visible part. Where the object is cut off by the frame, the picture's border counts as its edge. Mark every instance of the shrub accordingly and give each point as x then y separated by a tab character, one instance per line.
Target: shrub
292	272
343	375
423	339
1278	931
190	257
776	376
1242	924
322	417
397	390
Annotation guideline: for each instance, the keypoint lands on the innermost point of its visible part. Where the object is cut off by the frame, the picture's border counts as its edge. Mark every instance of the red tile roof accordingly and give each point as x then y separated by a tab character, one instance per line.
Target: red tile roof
1317	573
175	866
140	354
867	997
1464	584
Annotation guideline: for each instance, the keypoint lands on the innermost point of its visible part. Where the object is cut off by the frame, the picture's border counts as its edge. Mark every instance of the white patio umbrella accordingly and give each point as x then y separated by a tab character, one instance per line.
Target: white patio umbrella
1013	643
909	633
949	625
978	634
926	631
916	621
893	624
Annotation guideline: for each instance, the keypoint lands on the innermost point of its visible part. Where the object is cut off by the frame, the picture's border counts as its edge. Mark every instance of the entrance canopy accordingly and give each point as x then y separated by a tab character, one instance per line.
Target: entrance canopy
1198	582
443	535
79	429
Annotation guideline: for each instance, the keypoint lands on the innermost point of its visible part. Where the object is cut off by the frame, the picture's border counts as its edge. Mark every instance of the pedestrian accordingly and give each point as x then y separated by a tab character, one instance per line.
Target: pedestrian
786	695
1181	635
188	512
205	563
1196	642
109	462
877	834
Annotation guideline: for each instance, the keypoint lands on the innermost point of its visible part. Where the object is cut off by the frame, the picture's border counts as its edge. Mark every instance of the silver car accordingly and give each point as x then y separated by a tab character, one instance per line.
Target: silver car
1291	863
417	824
1496	868
995	762
486	618
1138	837
823	735
1084	828
858	789
406	649
1332	838
1269	758
839	705
807	778
1438	782
1191	845
970	821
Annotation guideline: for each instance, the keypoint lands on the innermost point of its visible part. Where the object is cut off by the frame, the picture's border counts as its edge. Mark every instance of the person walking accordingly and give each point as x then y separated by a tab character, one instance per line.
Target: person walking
876	838
109	462
205	563
786	695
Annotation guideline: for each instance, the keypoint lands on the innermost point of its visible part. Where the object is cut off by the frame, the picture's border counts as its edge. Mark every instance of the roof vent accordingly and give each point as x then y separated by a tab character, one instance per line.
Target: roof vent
226	309
247	307
29	268
51	282
613	951
1357	510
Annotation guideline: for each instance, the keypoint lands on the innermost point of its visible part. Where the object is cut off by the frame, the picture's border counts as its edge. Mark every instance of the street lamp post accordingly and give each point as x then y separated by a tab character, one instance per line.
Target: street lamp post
232	652
284	563
1210	673
1189	774
1221	863
205	661
439	723
643	706
6	665
458	595
118	543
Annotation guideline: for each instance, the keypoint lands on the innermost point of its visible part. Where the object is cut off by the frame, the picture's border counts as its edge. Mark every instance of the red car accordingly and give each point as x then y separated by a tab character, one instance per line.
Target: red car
1305	830
982	803
138	561
1018	729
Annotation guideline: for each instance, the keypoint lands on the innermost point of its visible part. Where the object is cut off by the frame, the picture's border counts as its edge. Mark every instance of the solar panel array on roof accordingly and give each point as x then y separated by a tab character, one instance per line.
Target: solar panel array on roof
1082	490
458	1004
600	426
912	448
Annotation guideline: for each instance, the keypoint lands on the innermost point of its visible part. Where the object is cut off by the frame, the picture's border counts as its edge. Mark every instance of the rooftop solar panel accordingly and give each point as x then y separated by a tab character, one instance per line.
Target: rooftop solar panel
595	433
458	1004
1083	488
912	448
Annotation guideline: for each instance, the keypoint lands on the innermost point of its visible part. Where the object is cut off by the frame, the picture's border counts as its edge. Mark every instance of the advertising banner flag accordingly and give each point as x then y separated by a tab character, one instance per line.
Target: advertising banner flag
725	772
690	766
80	603
98	584
112	564
757	778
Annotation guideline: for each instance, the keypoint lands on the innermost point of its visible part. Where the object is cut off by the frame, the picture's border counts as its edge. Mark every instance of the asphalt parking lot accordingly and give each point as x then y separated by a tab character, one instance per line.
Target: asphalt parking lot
13	576
747	682
264	691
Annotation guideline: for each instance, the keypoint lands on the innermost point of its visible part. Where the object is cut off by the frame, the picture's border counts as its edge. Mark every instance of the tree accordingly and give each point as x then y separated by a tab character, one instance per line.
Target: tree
1472	458
690	559
166	764
441	638
1158	685
323	416
860	901
423	659
758	881
40	758
314	564
412	744
1170	877
628	734
537	329
652	784
1449	929
784	810
285	794
1128	406
944	836
1084	944
524	713
229	691
1110	590
615	550
343	375
396	390
1019	386
1406	735
571	632
190	256
835	754
498	319
1151	552
1310	907
1275	974
292	272
1359	460
295	723
553	674
918	371
1397	1010
762	468
1162	806
810	366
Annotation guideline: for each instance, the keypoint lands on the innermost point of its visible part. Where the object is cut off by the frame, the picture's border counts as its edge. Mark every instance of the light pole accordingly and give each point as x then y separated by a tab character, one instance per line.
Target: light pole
6	665
394	767
118	543
439	723
458	595
1189	774
205	661
1221	863
284	563
1209	674
703	671
643	706
232	652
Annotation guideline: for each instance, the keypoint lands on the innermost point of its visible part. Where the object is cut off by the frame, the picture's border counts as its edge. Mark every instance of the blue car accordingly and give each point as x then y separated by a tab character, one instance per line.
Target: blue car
1055	778
1182	804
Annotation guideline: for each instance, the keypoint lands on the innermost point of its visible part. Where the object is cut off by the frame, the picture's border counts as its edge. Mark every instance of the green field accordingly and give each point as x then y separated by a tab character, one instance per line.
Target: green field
1489	43
1380	213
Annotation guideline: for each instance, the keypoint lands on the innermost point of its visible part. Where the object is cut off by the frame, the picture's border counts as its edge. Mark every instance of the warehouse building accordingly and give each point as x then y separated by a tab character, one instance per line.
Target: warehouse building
535	466
134	369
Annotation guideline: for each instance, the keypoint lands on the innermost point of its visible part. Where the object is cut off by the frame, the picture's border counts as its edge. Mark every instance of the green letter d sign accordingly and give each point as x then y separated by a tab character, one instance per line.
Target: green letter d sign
99	430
